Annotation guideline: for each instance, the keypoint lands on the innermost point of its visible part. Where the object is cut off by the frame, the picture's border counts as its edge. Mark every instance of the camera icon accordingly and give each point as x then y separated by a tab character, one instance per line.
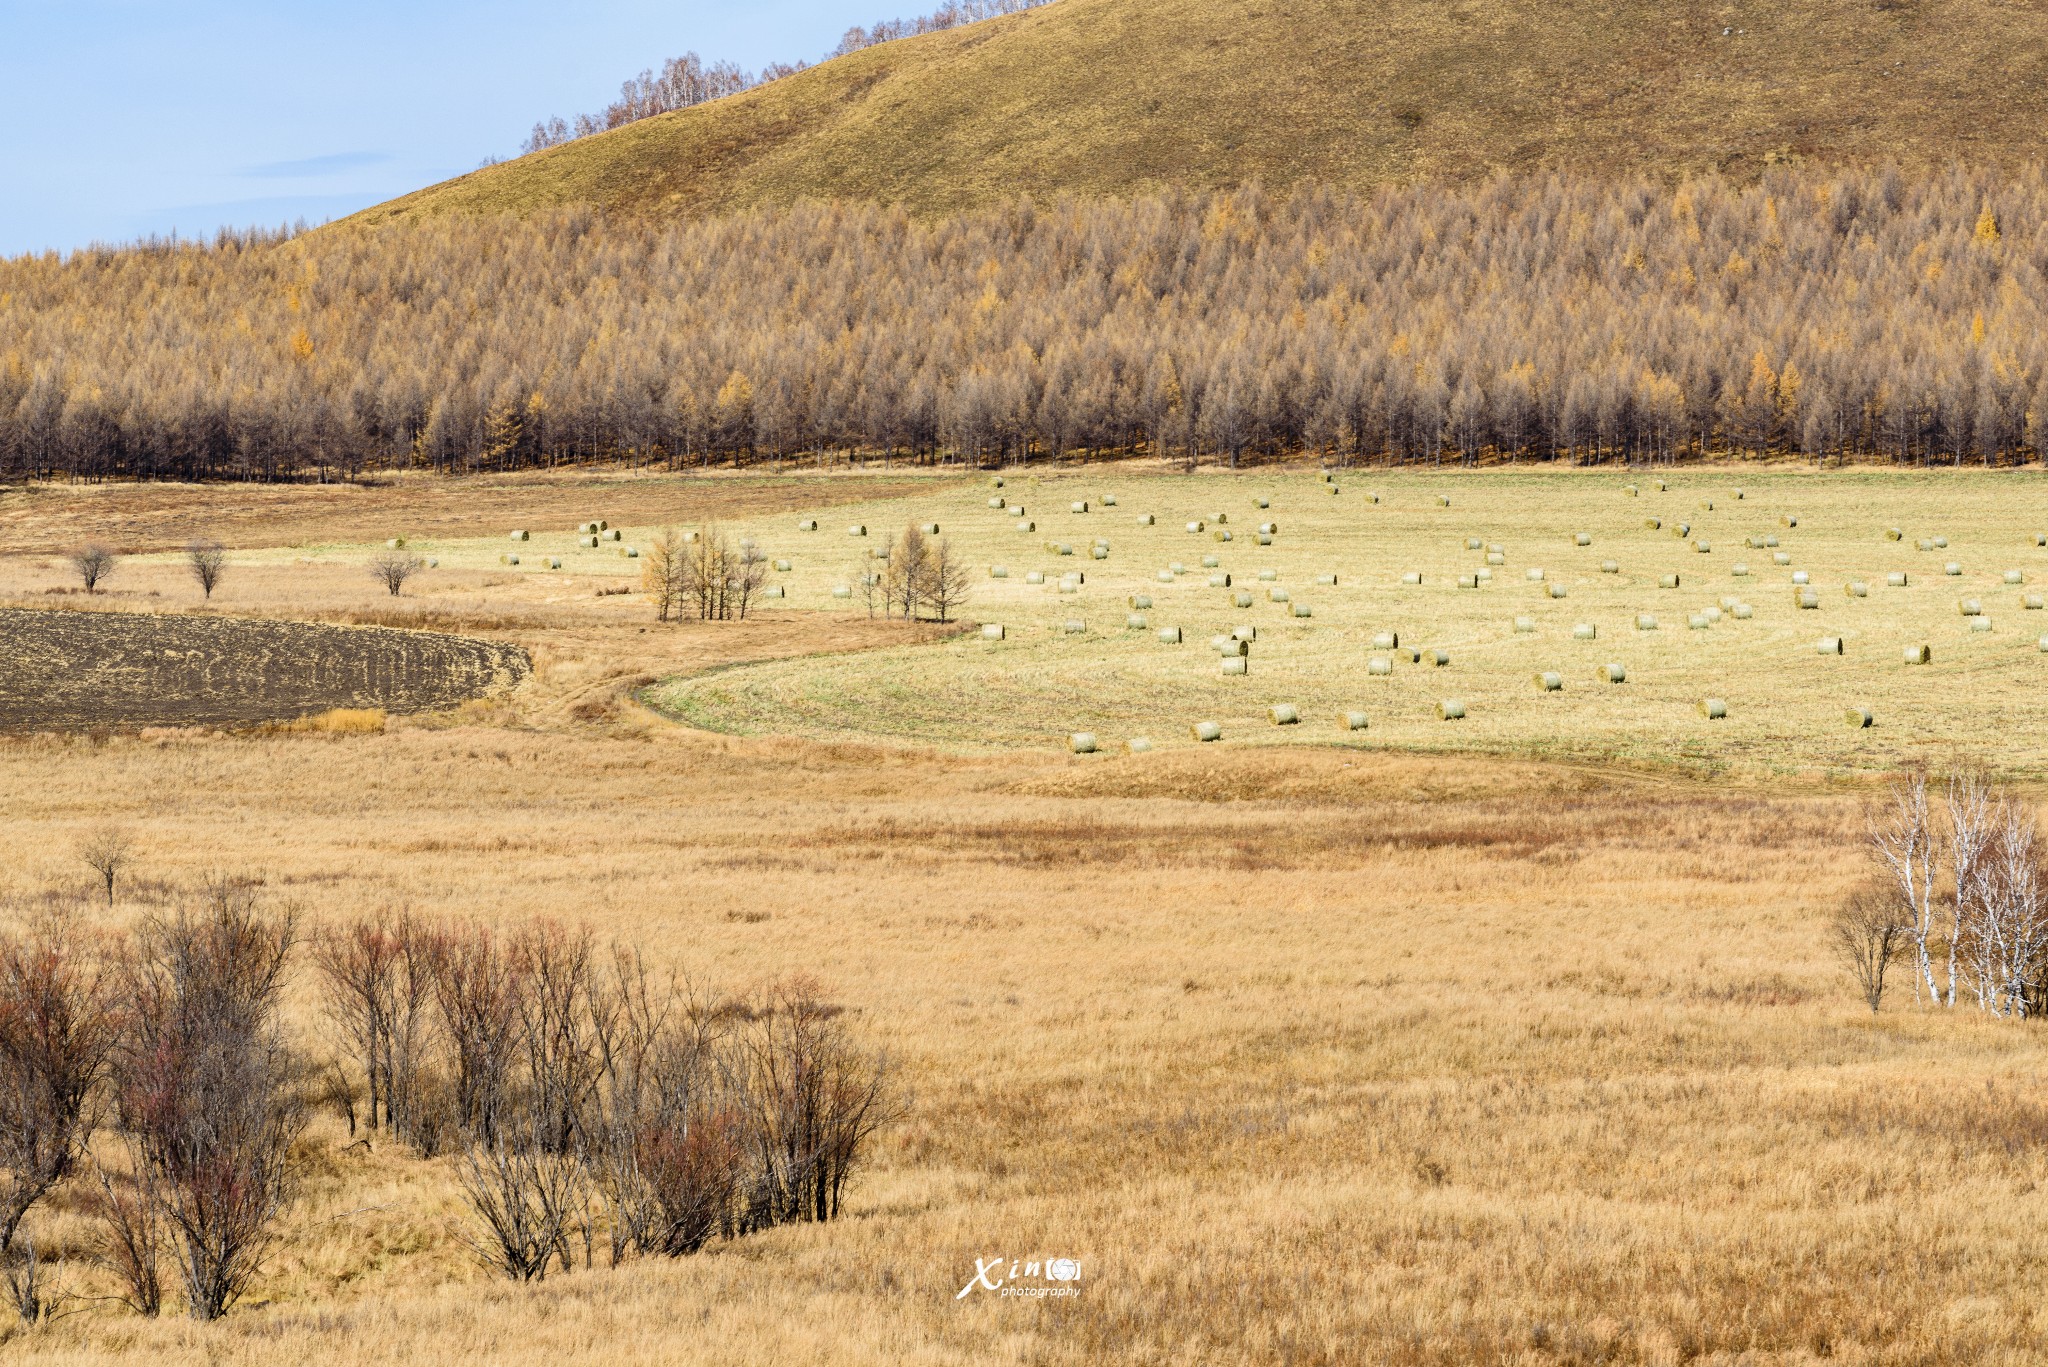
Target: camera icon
1063	1270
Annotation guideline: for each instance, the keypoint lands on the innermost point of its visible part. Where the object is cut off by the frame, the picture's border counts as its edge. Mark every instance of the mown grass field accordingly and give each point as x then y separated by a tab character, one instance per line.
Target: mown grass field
1786	701
1308	1049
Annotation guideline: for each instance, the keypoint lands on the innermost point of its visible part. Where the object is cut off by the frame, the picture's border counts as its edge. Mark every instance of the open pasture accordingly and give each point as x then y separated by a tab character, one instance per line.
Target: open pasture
1728	628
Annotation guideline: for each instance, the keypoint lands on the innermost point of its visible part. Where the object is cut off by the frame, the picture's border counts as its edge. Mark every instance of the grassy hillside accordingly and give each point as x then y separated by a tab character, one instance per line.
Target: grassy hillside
1097	97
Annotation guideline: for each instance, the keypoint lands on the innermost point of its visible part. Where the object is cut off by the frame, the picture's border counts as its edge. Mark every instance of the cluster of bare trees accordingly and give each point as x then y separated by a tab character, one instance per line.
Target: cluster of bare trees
1959	891
173	1037
702	574
1848	315
921	574
684	82
593	1102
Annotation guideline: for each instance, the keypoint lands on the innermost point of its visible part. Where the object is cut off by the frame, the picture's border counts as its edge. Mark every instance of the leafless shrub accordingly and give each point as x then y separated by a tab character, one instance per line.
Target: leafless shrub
205	1087
560	1015
814	1099
393	568
1871	930
526	1201
665	574
477	986
106	852
208	561
131	1234
378	984
93	563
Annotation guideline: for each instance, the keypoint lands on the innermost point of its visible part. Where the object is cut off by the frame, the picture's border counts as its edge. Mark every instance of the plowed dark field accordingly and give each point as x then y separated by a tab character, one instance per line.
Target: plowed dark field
65	671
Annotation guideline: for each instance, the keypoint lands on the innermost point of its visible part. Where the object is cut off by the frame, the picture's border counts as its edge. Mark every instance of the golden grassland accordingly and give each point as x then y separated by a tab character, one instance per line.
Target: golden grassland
1308	1053
1113	97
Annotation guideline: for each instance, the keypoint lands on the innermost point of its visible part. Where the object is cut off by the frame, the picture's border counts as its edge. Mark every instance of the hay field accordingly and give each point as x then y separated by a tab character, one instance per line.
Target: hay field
1786	701
1307	1053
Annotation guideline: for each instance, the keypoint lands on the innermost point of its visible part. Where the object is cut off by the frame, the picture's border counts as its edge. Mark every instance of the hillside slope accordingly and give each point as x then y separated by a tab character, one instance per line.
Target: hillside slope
1097	97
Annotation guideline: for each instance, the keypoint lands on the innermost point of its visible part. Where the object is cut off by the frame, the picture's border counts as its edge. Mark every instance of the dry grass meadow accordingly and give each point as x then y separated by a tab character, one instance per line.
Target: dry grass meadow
1516	1042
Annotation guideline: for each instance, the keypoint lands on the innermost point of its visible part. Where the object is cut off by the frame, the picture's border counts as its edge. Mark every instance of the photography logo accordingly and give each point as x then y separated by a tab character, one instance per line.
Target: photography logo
1034	1277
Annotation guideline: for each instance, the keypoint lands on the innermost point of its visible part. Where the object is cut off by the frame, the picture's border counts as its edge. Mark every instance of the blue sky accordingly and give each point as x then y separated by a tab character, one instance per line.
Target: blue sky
131	117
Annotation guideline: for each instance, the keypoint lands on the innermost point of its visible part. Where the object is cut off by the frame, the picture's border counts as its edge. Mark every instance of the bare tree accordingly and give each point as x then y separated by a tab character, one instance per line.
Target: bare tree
378	986
666	574
393	568
1870	933
131	1233
93	564
1970	805
749	573
57	1028
561	1017
205	1086
1899	833
107	852
526	1201
906	583
207	560
2006	932
707	578
947	579
477	988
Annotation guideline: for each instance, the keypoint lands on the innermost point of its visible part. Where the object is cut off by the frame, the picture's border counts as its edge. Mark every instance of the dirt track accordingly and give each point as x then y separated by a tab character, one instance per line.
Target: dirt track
67	671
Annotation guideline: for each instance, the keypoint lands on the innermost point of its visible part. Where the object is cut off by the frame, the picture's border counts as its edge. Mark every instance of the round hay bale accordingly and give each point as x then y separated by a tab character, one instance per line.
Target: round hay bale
1328	581
1241	599
1177	567
1412	655
1303	610
1856	588
1136	622
1525	625
1329	477
1082	742
996	483
1146	519
772	591
1027	525
1063	548
1662	487
1210	562
1742	612
1262	503
1741	494
1790	520
857	529
2015	577
1952	569
1473	543
1808	598
1860	718
1583	539
783	567
1896	579
1074	626
1894	534
1781	558
1741	570
1681	530
1372	498
1169	636
1645	622
522	536
1443	500
842	590
1284	714
1483	576
1923	544
1667	581
1585	631
2032	602
1496	559
1034	577
1450	709
1706	505
1138	745
1830	645
1268	576
1801	577
1411	578
1352	721
1386	640
1534	576
1468	581
1165	576
1970	607
999	571
1219	519
1655	524
1098	552
1631	490
1980	624
1941	543
1109	500
1713	709
992	632
588	543
2043	643
809	524
1698	621
999	502
1559	591
1236	664
1919	655
1276	595
1613	673
1265	538
1198	526
1140	601
509	559
1549	681
1380	664
554	564
613	535
1269	528
1610	567
1078	506
1439	658
1703	548
1334	491
1771	542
